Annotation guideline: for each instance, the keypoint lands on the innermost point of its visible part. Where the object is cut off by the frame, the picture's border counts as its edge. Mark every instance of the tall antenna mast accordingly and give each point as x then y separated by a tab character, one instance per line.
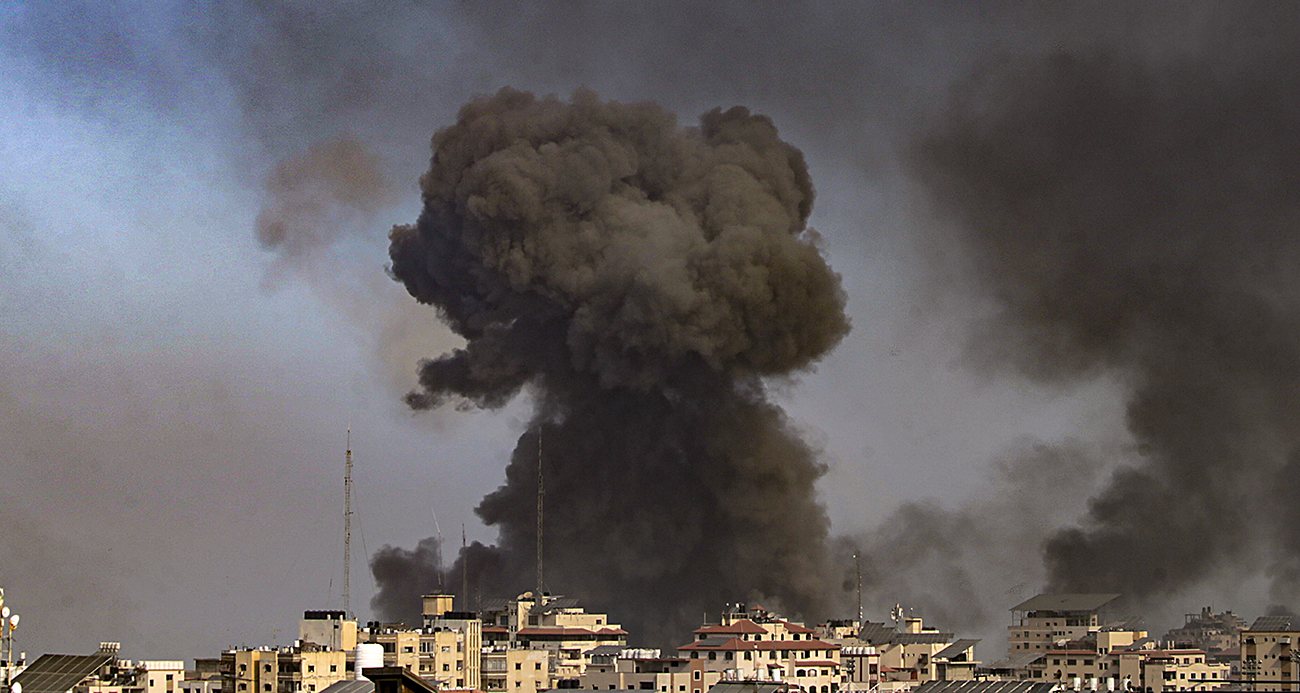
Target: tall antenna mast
541	494
464	568
347	530
857	564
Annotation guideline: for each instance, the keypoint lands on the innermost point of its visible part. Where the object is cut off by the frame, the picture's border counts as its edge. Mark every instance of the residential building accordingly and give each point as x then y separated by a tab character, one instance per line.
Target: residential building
558	625
515	670
1049	620
1207	631
754	645
332	630
1268	660
445	649
1182	670
917	653
614	668
302	668
860	667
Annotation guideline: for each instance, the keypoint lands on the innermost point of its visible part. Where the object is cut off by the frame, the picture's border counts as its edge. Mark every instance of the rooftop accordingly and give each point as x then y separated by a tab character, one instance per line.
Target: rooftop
1066	602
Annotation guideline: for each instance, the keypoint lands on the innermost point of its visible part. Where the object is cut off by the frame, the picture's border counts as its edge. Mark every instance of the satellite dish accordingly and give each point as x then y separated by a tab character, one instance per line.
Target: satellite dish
4	612
13	621
16	688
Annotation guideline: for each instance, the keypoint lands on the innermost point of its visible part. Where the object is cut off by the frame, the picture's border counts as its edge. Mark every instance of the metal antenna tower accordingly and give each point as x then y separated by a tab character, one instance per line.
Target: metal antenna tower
857	565
541	494
464	568
347	529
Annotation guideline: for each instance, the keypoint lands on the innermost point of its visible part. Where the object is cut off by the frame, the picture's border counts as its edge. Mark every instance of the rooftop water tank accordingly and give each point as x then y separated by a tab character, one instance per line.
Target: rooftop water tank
369	655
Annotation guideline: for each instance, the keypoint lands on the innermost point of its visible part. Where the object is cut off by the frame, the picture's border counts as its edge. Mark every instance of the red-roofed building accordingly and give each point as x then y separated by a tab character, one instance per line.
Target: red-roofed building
757	646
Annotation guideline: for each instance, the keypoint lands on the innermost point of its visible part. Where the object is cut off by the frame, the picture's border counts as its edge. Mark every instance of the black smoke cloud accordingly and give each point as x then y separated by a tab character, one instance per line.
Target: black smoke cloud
642	278
1138	218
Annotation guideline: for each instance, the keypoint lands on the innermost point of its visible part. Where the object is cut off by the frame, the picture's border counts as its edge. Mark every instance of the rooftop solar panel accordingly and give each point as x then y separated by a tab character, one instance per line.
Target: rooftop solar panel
54	673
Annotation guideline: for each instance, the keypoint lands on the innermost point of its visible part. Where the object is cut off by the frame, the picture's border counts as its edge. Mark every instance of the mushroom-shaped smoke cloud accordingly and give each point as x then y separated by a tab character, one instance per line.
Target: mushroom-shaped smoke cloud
642	278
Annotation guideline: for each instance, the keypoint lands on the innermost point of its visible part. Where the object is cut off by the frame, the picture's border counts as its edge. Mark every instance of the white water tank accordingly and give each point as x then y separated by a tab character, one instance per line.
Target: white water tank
369	655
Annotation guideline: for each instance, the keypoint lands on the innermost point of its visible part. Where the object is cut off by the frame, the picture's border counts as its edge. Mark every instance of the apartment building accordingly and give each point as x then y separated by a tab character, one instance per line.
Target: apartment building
1049	620
917	653
614	668
1268	660
1208	631
303	668
754	645
558	625
446	649
514	670
1182	670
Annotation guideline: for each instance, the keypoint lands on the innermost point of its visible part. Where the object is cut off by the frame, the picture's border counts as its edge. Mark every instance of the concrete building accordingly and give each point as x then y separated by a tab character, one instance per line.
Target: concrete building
332	630
514	670
558	625
1268	660
754	645
445	649
860	667
1207	631
918	653
1182	670
303	668
1049	620
614	668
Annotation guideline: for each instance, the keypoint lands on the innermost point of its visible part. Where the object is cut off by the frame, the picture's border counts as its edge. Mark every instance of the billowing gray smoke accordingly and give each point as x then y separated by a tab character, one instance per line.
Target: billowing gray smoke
641	279
1141	220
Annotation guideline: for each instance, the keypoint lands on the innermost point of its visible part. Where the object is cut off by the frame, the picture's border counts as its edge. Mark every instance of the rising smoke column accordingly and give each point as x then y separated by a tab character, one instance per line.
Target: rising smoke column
1142	220
641	278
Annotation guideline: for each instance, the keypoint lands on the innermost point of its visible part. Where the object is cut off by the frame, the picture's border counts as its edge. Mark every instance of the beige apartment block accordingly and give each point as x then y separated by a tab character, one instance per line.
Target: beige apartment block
1269	654
160	676
507	670
558	625
758	646
332	630
445	650
614	668
304	668
917	654
1048	621
1182	670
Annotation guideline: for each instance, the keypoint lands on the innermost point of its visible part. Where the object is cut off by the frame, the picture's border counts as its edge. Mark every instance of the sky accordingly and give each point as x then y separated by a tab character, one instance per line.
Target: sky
176	392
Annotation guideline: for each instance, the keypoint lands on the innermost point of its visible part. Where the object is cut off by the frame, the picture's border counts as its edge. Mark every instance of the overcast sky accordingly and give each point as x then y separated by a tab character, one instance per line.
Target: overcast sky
174	396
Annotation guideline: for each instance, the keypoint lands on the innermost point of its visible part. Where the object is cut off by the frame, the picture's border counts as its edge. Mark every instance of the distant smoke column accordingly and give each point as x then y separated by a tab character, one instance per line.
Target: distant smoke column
642	278
1145	221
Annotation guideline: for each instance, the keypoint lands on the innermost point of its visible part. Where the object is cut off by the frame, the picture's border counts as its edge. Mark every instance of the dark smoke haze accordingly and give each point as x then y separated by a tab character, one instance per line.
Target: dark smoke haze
1140	220
642	278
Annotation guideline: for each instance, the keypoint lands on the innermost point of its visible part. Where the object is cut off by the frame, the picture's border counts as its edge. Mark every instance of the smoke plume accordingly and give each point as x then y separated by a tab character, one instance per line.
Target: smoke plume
1140	219
309	195
641	279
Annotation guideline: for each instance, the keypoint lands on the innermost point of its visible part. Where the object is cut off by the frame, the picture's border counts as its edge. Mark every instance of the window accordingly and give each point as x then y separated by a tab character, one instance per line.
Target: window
311	668
697	674
266	668
169	677
518	666
334	668
537	666
447	667
243	686
266	687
